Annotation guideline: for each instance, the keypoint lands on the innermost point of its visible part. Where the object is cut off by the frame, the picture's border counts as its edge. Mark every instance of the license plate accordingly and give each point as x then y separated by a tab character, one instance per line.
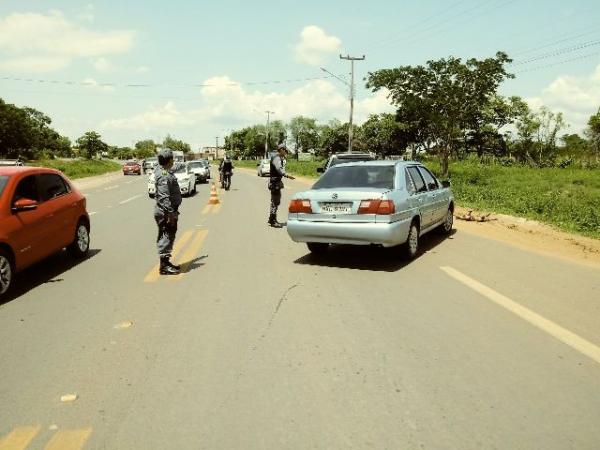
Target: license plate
336	208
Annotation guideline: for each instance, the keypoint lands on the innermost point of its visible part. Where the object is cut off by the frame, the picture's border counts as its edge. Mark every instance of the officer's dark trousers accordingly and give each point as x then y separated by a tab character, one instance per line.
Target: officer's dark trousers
166	236
275	200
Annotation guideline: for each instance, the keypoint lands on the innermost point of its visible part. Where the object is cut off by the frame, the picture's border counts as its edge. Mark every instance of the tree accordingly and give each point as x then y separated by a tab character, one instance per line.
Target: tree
447	94
333	138
382	134
91	144
304	134
145	149
176	145
593	133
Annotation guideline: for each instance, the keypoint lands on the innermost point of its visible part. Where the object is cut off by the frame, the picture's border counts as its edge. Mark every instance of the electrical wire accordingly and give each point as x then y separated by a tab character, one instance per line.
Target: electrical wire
559	63
558	52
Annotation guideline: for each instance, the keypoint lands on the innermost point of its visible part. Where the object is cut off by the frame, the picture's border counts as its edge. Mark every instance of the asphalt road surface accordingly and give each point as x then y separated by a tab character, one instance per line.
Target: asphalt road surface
258	345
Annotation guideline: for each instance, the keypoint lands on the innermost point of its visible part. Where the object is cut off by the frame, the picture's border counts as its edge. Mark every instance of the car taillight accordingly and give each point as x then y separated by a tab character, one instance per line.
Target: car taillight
381	207
300	206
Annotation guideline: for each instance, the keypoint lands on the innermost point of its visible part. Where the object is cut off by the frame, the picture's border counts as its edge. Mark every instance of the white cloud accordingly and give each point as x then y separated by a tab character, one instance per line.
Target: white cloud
96	86
142	69
315	45
223	101
46	42
576	97
87	13
102	64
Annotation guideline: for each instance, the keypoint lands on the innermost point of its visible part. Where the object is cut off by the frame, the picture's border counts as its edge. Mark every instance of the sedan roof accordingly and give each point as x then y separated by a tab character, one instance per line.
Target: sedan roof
378	162
12	170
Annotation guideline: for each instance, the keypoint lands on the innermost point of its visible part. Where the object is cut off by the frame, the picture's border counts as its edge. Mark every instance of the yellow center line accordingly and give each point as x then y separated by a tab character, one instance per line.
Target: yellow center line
154	275
216	208
19	438
207	209
562	334
190	253
69	439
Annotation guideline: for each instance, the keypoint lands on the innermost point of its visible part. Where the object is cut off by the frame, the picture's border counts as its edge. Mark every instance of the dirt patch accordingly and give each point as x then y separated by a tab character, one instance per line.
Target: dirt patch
530	235
92	182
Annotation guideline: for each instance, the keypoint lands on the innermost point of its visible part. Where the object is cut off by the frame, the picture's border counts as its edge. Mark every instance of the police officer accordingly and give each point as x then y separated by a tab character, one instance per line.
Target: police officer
168	199
277	172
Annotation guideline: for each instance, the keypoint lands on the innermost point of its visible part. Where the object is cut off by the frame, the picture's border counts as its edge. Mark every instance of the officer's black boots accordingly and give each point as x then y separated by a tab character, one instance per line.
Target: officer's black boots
174	266
273	221
166	268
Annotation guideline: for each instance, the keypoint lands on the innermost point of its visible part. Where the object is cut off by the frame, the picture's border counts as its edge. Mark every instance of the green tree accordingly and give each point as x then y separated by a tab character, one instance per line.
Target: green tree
176	145
91	144
145	148
447	94
304	134
382	134
593	133
333	138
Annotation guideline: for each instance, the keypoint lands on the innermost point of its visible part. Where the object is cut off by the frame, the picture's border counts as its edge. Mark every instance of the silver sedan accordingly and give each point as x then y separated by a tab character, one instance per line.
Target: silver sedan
384	203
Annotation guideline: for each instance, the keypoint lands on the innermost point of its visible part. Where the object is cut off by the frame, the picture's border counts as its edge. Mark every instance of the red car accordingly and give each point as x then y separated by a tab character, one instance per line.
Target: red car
41	212
132	167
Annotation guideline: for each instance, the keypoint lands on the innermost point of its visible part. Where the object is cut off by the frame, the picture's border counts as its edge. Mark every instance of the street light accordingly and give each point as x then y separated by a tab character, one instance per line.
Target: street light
267	135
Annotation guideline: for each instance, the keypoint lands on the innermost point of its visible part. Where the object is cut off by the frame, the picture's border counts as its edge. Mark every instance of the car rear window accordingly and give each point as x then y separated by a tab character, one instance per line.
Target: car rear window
336	161
195	164
363	176
3	182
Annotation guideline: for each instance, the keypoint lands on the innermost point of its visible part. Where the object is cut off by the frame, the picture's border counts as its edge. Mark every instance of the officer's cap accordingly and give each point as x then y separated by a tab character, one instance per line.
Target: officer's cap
282	147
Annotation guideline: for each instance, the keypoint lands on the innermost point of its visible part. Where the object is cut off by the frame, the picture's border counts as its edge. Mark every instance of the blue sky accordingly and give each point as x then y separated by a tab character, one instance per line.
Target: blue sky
80	57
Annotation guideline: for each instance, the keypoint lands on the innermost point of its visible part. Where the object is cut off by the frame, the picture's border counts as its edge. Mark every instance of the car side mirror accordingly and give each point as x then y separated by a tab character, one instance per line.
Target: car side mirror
446	184
24	204
320	169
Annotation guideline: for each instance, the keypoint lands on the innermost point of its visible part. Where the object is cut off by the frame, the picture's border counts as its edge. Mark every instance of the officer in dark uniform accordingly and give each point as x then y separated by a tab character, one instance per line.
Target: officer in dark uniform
277	172
168	199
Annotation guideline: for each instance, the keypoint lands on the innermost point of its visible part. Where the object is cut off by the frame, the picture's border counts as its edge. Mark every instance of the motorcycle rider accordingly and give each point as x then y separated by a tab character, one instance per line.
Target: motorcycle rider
225	170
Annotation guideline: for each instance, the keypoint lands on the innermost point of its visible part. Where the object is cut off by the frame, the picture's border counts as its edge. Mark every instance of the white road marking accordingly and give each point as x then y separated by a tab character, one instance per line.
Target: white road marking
130	199
92	213
129	182
562	334
111	187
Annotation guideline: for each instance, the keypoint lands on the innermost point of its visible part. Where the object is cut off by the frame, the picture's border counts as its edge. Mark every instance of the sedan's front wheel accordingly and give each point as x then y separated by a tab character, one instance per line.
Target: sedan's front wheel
317	248
6	272
81	244
411	247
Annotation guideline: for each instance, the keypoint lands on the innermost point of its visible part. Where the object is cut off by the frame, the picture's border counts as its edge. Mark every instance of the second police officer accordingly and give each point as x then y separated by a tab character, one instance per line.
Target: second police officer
276	173
166	214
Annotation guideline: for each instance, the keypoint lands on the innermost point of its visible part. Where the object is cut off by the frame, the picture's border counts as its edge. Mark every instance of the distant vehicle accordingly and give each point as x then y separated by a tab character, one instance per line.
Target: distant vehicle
340	158
132	167
150	163
200	170
41	212
178	156
185	178
264	168
206	163
384	203
11	162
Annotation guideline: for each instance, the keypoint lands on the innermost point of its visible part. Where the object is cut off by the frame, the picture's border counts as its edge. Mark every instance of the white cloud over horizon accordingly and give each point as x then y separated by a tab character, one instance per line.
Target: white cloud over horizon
315	45
576	97
34	42
223	101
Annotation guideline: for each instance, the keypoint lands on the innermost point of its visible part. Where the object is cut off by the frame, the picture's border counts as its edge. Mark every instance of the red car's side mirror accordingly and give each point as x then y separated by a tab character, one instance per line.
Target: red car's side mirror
24	204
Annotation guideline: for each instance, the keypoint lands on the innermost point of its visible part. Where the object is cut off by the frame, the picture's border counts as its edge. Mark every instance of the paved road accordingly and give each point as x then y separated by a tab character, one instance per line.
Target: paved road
474	345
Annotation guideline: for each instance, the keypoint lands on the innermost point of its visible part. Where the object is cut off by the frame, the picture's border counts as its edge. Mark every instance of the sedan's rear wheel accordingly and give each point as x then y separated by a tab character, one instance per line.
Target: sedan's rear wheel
411	248
81	244
317	248
6	272
446	227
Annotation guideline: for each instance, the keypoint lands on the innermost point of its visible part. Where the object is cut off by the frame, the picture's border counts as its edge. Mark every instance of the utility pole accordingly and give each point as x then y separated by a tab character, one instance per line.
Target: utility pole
217	148
350	128
267	134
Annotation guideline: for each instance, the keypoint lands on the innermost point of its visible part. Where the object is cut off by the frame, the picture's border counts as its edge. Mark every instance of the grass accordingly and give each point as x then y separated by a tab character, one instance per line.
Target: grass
567	198
299	168
79	168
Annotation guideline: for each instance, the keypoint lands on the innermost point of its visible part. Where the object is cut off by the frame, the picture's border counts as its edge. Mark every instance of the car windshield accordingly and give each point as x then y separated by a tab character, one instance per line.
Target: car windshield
196	164
336	161
363	176
3	181
182	169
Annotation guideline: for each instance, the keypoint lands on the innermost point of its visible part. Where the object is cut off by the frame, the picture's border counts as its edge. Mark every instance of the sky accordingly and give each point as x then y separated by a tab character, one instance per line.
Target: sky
134	70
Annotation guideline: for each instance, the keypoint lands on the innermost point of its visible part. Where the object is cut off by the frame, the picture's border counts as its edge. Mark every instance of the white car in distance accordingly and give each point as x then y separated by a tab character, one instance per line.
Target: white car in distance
185	178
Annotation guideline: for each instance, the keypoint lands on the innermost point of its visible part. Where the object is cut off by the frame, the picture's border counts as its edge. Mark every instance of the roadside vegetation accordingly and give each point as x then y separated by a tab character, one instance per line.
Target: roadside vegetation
78	168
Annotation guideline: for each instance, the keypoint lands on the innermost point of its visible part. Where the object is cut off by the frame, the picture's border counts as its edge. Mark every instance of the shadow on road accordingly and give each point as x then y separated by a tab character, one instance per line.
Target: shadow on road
194	264
370	258
46	271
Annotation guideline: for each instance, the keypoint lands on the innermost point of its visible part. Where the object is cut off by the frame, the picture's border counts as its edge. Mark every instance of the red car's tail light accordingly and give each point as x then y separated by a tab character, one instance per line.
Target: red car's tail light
381	207
300	206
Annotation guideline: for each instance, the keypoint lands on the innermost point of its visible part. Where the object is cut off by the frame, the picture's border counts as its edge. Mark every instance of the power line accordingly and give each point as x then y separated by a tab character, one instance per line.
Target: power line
559	63
139	85
558	52
560	41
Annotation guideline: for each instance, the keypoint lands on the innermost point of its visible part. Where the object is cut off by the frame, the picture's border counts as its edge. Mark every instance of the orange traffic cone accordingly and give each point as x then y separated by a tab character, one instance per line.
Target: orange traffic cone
214	198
